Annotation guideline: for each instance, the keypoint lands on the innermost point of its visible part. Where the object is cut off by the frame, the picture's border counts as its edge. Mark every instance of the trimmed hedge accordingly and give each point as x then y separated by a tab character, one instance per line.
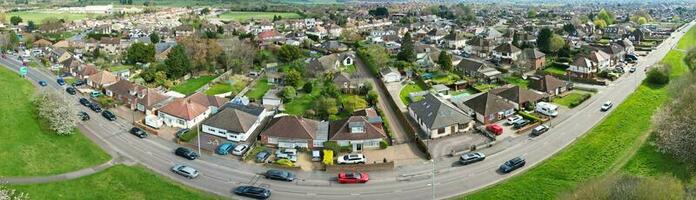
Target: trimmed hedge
529	116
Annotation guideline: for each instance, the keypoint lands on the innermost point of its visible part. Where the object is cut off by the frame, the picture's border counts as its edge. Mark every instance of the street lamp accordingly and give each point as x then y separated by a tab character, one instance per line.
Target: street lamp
432	177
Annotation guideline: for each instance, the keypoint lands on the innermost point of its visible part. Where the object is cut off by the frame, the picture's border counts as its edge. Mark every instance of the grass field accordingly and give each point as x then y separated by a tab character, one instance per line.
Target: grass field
244	16
555	69
648	161
411	87
117	182
572	99
516	80
688	40
259	89
39	15
28	147
190	86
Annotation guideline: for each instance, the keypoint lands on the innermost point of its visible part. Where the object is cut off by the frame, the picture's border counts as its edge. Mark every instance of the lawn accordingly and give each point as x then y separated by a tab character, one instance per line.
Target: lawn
245	16
572	99
411	87
484	87
303	102
688	40
38	16
350	69
117	182
28	147
190	86
55	37
259	89
445	78
119	68
516	80
555	69
220	88
648	161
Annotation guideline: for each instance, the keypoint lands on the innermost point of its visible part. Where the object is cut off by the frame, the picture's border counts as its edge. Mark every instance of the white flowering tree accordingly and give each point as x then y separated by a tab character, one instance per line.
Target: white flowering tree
58	110
676	126
10	194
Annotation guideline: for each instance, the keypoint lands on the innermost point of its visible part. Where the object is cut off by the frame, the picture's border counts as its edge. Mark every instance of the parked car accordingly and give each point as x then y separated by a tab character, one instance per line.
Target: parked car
606	106
290	154
512	165
95	94
60	81
281	175
181	132
262	156
186	171
71	90
520	123
240	149
43	83
353	177
352	159
95	107
495	129
253	192
109	115
632	69
225	148
85	102
513	119
186	153
471	157
83	115
538	130
79	83
138	132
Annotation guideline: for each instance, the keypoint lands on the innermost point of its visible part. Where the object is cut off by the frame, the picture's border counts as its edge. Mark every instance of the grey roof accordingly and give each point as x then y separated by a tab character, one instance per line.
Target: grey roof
163	46
435	113
488	103
532	53
234	117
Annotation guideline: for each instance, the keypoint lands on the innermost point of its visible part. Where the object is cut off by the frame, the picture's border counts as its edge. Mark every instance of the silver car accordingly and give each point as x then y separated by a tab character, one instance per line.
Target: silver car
186	171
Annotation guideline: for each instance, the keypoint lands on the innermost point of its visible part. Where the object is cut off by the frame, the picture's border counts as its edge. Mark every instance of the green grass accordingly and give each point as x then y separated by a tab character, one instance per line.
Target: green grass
685	42
218	89
29	148
445	78
39	15
555	69
350	69
244	16
55	37
515	80
648	161
119	68
259	89
411	87
572	99
117	182
304	102
193	84
252	154
484	87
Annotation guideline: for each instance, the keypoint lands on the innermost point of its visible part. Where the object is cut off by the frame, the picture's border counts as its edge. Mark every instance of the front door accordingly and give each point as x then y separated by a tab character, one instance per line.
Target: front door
357	147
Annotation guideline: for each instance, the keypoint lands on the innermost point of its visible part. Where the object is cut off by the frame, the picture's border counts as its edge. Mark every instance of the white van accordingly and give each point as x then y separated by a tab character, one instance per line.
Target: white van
547	109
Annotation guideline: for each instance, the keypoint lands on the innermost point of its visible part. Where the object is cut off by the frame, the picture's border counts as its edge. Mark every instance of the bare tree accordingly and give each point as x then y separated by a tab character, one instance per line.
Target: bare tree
238	54
60	112
11	194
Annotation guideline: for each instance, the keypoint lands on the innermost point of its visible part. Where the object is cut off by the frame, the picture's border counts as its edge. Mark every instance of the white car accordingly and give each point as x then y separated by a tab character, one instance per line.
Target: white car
240	149
513	119
607	105
352	159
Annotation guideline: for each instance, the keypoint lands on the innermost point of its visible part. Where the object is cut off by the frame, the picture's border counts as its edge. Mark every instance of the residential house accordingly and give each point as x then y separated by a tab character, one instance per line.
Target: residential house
183	30
371	115
438	118
101	79
59	55
479	46
548	84
236	122
533	59
487	107
150	100
390	74
477	69
189	111
111	45
294	131
520	97
162	50
271	98
356	132
329	63
455	40
507	53
347	82
587	66
616	53
85	71
334	46
435	36
269	37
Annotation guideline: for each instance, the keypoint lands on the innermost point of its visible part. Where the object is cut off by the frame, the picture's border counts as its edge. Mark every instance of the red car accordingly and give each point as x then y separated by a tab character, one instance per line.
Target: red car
353	177
495	129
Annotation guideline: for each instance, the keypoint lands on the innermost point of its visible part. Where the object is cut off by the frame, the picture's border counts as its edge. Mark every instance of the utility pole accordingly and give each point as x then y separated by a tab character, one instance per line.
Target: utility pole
198	135
432	184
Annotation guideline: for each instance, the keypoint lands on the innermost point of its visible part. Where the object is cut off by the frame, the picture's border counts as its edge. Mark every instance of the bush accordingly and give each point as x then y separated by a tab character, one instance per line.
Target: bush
658	75
188	136
529	116
383	144
285	162
333	146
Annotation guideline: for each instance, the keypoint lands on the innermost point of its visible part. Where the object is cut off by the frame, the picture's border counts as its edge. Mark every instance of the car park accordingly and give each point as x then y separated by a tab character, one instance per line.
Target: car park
352	159
495	129
471	157
281	175
262	156
520	123
186	171
186	153
512	165
94	107
606	106
83	116
71	90
513	119
240	149
138	132
85	102
43	83
60	81
353	177
109	115
225	148
538	130
252	192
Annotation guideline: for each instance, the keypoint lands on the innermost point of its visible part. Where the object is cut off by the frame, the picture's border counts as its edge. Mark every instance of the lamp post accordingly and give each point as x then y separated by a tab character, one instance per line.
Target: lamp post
198	135
432	177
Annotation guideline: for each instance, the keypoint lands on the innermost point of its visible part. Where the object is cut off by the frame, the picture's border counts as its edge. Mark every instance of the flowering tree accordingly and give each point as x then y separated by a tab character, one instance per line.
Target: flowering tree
10	194
675	125
60	113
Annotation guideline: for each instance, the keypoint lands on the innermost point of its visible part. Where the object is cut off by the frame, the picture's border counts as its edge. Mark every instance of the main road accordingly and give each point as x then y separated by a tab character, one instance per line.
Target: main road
221	174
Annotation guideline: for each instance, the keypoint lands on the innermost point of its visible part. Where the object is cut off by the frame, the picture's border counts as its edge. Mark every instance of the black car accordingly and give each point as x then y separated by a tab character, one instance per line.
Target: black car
71	90
541	129
108	115
471	157
85	102
95	107
253	192
138	132
79	83
512	165
83	116
520	123
282	175
186	153
181	132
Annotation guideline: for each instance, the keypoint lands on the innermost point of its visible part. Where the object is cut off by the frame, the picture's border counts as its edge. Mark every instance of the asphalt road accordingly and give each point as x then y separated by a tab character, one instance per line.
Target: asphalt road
221	174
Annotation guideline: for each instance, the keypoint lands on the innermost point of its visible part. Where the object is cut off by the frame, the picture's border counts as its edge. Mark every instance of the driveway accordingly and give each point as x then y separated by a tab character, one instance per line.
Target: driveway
442	147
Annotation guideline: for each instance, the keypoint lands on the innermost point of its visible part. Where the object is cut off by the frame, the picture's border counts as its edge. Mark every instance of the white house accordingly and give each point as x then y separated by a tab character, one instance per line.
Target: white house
438	118
189	111
271	98
390	74
236	122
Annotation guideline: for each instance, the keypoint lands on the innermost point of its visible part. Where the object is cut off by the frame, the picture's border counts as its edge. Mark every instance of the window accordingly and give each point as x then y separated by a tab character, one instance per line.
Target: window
441	130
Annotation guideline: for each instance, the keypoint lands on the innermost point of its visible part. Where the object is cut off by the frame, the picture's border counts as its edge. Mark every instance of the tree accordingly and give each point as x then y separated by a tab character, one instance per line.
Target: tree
140	53
642	20
238	54
532	13
288	93
690	59
308	87
600	24
11	194
326	106
557	42
445	61
293	78
14	20
203	52
372	98
177	62
569	28
9	41
379	12
407	52
58	111
674	123
31	26
288	53
51	25
3	17
367	87
353	103
154	38
544	40
607	16
659	74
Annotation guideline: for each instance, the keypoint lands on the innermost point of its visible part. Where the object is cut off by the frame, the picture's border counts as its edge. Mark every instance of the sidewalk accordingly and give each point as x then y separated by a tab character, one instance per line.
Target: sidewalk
65	176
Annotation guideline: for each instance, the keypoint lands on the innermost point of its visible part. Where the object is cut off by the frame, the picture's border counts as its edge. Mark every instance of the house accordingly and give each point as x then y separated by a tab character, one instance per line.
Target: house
334	46
628	46
271	98
476	69
123	91
111	45
455	40
548	84
487	107
507	53
236	122
616	53
329	63
371	115
533	59
101	79
587	66
435	36
59	55
356	132
86	70
347	82
42	43
520	97
438	118
162	50
479	46
390	74
183	30
189	111
294	131
274	77
269	37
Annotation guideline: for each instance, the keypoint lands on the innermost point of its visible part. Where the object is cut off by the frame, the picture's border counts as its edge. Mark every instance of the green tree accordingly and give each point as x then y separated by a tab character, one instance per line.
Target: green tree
599	23
379	12
11	41
569	28
372	98
177	62
607	16
154	38
140	53
659	75
532	13
31	26
544	40
326	106
308	87
289	53
293	78
445	61
557	42
353	103
288	93
690	59
14	20
408	52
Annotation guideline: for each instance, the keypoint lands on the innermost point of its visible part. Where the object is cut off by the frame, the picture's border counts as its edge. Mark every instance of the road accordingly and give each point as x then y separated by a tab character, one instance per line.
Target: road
220	174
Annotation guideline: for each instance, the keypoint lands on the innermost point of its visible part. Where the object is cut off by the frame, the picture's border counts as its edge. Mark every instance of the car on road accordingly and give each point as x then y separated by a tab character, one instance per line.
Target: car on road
253	192
71	90
138	132
43	83
471	157
513	119
520	123
186	153
95	107
186	171
262	156
282	175
353	177
495	129
85	102
109	115
606	106
538	130
240	149
83	115
60	81
181	132
357	158
512	165
225	148
632	69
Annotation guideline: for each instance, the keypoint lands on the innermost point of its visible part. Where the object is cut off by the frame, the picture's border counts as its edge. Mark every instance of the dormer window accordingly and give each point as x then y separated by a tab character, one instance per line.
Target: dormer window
132	92
356	127
141	95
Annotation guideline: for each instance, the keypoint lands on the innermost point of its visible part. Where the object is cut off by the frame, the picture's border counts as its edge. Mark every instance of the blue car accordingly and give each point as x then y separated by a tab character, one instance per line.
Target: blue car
60	81
225	148
43	83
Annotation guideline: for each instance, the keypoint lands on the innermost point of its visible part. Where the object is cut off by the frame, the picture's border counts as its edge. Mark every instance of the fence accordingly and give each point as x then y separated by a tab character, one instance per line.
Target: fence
381	166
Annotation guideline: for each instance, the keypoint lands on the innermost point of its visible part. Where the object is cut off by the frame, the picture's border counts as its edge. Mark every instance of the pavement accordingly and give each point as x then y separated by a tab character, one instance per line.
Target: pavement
220	176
